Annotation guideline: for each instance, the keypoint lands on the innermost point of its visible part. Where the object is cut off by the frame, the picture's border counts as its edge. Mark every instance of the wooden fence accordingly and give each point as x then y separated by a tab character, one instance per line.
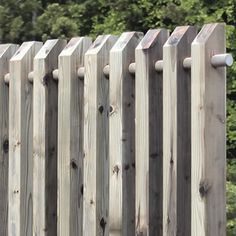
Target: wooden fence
122	136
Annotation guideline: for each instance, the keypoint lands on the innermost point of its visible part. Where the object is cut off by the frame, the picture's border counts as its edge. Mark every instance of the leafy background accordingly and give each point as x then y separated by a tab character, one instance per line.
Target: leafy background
22	20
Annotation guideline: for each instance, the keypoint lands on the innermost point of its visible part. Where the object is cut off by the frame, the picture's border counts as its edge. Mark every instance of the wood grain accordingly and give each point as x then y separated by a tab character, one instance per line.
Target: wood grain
45	139
20	177
177	133
70	137
208	134
96	111
148	133
121	136
6	52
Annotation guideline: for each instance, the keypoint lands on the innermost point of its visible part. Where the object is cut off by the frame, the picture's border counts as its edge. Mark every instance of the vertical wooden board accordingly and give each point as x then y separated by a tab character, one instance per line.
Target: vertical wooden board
121	136
6	52
96	112
70	137
45	138
208	134
20	177
148	133
177	133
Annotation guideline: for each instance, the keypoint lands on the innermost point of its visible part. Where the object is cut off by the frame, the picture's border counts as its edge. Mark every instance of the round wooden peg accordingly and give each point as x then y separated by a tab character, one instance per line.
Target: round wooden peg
220	60
55	74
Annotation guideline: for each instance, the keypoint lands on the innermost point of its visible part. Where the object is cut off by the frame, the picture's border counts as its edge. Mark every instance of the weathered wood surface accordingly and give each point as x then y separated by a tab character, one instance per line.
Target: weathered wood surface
208	134
70	137
121	136
20	178
96	112
45	139
148	134
6	52
140	152
177	133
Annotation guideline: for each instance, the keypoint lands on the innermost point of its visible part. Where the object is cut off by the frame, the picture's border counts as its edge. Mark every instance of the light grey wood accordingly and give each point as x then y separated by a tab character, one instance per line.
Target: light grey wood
159	66
6	52
96	112
45	139
132	68
121	136
148	133
70	137
187	62
222	60
177	133
208	134
20	177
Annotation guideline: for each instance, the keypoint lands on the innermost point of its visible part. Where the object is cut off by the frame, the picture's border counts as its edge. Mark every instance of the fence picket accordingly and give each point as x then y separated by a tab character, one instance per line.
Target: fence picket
6	52
96	111
148	116
176	143
121	136
45	139
70	137
208	133
20	176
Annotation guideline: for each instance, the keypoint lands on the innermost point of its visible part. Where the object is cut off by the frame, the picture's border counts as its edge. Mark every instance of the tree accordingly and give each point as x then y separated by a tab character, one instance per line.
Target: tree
17	20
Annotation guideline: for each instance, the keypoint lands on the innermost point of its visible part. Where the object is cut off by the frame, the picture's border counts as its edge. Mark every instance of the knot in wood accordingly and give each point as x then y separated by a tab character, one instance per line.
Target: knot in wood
82	189
73	164
46	79
126	166
103	224
111	110
100	108
168	220
6	146
116	169
203	189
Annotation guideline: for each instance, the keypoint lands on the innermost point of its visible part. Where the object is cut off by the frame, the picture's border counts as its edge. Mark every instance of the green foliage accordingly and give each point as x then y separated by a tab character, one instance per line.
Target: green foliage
231	197
55	23
231	128
114	22
22	20
17	20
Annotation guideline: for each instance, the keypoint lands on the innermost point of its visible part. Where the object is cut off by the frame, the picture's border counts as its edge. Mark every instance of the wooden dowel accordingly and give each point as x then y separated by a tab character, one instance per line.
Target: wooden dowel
106	71
218	60
159	65
55	74
187	63
132	68
31	76
222	60
80	72
7	78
